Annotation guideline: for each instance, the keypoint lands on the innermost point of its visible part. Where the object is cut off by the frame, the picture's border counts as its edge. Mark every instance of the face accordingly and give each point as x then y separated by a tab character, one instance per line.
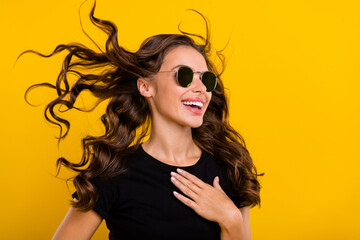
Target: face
169	101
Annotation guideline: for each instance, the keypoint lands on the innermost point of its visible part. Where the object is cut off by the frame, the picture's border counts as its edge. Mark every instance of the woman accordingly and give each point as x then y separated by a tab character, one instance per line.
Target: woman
192	179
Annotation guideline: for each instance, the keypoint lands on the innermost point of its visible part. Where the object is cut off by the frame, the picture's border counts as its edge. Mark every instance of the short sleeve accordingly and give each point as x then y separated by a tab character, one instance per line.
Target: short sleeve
107	195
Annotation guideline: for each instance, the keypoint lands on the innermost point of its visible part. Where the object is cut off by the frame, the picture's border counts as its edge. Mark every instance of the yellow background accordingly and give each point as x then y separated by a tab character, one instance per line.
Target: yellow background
293	78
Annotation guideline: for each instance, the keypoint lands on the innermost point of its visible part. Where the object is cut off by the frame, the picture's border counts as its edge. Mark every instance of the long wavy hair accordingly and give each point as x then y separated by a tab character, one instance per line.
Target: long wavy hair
127	117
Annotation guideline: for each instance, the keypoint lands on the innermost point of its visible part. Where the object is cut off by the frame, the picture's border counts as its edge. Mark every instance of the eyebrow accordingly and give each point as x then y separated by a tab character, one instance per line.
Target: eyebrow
182	65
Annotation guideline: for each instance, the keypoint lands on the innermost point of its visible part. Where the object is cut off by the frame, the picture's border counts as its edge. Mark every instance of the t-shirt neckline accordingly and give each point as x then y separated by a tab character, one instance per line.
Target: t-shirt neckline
168	166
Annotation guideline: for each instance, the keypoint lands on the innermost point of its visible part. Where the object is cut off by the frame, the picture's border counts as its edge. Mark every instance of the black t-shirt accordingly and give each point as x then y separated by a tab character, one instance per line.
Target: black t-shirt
139	204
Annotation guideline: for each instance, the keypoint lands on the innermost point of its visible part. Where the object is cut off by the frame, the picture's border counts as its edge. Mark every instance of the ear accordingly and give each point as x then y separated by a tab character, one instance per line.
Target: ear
144	87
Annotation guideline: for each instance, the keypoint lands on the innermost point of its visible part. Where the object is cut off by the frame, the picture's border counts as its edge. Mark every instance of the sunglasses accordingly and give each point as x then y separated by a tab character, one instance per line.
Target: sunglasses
185	76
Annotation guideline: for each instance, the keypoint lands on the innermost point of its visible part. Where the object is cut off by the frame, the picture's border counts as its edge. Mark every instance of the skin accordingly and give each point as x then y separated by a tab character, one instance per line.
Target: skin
171	142
212	203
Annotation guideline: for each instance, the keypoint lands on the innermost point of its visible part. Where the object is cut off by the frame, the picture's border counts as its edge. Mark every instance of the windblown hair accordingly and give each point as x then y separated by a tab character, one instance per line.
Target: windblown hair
128	111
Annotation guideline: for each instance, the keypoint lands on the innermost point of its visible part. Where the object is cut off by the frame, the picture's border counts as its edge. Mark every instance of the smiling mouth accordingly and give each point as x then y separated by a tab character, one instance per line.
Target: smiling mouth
193	104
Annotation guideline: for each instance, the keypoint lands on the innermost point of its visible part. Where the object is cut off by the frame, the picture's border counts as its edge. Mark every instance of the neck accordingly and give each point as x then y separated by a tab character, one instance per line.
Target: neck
172	143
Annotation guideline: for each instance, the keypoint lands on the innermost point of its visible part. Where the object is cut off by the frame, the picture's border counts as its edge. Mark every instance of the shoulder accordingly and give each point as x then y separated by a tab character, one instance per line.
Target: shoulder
110	181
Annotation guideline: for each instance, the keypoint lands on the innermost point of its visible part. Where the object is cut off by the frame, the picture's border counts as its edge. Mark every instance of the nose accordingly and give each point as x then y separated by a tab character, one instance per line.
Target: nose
198	85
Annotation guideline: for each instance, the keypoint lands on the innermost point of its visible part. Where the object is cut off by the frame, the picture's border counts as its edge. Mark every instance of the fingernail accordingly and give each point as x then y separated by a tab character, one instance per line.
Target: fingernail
179	170
217	178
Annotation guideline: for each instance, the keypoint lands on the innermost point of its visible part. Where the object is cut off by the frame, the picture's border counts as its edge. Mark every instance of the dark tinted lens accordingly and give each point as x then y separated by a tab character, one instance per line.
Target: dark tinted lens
209	80
184	76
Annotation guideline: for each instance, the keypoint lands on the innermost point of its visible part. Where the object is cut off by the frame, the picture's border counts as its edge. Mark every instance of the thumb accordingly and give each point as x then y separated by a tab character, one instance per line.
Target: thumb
217	184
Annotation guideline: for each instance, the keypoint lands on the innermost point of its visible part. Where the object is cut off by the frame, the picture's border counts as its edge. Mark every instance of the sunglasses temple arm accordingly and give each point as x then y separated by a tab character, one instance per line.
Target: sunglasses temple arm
166	71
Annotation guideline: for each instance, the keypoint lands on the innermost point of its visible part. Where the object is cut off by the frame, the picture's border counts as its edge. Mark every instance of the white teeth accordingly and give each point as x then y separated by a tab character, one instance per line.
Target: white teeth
200	104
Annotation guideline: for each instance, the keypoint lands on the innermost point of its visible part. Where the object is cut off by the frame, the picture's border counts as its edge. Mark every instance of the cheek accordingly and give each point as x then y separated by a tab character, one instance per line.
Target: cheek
208	96
170	97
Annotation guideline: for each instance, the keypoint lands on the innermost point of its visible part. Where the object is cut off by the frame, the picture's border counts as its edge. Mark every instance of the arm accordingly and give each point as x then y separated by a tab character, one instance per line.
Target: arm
78	225
237	226
245	212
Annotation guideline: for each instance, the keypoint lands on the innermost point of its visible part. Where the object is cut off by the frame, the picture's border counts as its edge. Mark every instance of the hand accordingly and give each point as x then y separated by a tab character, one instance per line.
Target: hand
210	202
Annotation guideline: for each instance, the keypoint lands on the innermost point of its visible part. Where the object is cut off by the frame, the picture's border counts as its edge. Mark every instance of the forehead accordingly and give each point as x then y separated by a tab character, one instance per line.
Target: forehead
184	55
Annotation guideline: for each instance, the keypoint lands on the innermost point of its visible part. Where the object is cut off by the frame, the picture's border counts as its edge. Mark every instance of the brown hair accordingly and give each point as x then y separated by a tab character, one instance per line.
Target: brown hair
128	111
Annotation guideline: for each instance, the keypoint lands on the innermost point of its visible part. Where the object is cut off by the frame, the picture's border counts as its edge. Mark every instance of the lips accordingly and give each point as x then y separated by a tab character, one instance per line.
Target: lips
194	99
195	110
194	105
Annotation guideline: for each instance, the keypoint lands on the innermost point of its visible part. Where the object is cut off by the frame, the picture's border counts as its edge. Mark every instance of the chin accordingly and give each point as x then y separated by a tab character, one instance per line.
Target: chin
195	124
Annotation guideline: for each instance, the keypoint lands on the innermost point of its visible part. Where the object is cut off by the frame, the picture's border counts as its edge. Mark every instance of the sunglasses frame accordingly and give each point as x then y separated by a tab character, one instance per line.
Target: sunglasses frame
201	75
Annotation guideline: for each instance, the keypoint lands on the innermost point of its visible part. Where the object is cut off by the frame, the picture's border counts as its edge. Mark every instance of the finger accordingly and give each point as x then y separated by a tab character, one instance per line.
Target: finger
217	184
192	178
187	201
188	191
188	183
